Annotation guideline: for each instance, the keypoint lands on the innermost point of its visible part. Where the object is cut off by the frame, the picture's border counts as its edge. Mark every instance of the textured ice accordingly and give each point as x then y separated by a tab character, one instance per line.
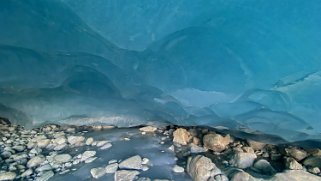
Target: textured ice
249	65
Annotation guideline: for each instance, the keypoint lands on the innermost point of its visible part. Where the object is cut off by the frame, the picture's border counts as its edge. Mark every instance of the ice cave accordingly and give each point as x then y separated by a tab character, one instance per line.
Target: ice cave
145	90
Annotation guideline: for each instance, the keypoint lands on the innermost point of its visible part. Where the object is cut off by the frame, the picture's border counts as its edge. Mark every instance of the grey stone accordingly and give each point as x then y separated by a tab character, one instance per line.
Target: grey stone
97	172
125	175
111	168
134	162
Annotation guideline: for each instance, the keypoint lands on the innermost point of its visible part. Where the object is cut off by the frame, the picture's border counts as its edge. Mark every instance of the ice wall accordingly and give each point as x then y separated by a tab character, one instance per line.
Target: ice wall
251	65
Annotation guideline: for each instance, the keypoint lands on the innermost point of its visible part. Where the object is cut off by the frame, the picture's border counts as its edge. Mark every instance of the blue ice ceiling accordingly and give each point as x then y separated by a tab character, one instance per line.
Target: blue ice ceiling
251	65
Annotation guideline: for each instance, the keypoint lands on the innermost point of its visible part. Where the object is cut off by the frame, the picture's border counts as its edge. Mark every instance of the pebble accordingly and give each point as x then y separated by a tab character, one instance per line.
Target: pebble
178	169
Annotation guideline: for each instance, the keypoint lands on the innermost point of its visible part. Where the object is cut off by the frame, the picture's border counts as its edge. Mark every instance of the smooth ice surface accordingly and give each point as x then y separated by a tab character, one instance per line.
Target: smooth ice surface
251	64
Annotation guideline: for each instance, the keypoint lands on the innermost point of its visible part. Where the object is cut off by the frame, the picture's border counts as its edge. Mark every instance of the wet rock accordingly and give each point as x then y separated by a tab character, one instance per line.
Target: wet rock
106	146
111	168
91	159
75	140
296	153
313	161
295	175
87	154
5	121
19	148
148	129
314	170
59	141
264	167
216	142
97	172
45	167
101	143
125	175
178	169
42	143
201	168
145	161
7	176
27	173
256	145
62	158
197	149
243	160
292	164
35	161
134	162
89	141
242	176
45	176
59	147
181	136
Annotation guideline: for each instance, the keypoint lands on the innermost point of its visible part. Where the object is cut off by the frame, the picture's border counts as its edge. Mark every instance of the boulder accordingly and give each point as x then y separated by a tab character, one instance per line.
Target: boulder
296	153
292	164
264	167
216	142
256	145
182	136
243	160
313	161
201	168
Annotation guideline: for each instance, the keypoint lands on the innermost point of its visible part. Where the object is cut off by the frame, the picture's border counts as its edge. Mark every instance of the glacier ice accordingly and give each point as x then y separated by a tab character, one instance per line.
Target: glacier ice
245	65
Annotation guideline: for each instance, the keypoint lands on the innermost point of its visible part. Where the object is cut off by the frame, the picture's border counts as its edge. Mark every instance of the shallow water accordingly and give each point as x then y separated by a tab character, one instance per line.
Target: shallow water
148	146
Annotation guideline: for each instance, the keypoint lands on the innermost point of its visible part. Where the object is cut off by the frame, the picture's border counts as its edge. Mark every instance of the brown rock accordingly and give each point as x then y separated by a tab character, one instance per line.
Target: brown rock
182	136
201	168
256	145
296	153
292	164
216	142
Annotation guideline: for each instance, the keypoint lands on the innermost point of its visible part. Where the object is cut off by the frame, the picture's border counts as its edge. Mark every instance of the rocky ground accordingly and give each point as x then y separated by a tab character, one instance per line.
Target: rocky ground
54	152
